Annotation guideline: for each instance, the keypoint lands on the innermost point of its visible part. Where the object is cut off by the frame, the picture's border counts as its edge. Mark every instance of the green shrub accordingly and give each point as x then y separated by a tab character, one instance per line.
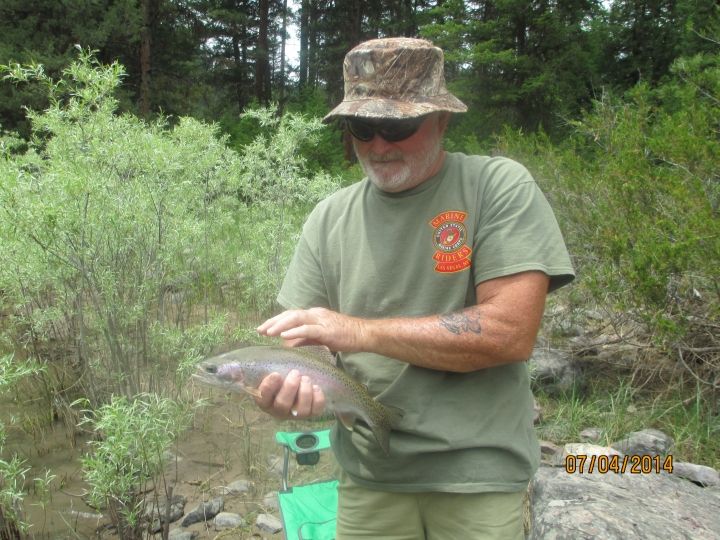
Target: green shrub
114	229
636	191
130	454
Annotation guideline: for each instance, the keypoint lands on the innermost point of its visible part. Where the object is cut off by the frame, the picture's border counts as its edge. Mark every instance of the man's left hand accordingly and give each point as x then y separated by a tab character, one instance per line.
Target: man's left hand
316	326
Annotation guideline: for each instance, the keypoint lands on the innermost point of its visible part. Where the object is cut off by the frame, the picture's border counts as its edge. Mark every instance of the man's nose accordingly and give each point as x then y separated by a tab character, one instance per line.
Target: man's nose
378	145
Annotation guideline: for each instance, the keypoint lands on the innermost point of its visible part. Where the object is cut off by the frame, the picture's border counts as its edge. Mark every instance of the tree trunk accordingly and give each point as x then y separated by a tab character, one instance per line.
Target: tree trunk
283	33
145	58
354	22
239	72
262	63
312	45
304	28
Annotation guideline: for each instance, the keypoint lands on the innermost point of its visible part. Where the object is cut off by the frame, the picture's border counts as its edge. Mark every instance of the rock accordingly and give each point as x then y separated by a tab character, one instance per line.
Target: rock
155	511
179	534
550	452
238	487
697	474
584	449
713	491
537	412
268	523
228	520
86	515
593	314
171	457
618	354
275	464
204	512
553	371
568	328
592	434
619	506
270	502
645	442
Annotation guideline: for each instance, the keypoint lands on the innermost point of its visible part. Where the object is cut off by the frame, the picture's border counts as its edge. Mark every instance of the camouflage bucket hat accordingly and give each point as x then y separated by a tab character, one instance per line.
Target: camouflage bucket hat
395	78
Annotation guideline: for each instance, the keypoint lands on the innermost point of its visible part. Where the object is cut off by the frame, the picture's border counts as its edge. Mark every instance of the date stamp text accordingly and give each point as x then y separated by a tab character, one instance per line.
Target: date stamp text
632	463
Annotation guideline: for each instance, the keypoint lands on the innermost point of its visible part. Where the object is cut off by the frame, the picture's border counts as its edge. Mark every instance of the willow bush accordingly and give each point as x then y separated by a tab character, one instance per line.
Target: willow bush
129	456
118	232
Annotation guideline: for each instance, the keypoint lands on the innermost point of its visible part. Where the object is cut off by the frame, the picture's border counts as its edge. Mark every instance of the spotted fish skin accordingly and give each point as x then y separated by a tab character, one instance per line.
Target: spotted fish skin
242	370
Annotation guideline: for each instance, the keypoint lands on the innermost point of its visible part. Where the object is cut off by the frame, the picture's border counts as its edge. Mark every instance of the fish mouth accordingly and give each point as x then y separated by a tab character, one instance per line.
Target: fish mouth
207	378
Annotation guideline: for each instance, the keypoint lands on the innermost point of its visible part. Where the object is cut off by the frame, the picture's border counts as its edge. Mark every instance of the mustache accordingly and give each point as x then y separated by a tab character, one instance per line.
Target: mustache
384	158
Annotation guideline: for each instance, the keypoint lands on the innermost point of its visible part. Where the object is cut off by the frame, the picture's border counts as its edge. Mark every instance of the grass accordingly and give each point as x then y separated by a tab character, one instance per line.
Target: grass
689	416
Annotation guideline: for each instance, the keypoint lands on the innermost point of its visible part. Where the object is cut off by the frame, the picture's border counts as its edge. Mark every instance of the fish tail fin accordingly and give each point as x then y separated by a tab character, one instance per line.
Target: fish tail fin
382	436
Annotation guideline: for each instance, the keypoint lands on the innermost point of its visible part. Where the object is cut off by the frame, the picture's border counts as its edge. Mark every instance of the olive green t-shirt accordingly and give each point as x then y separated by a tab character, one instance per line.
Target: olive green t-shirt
367	253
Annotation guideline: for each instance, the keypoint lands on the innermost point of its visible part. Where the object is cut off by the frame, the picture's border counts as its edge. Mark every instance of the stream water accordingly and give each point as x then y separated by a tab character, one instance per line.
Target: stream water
230	440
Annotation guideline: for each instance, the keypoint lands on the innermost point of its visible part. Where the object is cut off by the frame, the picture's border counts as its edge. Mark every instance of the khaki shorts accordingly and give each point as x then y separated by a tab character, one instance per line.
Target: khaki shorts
365	513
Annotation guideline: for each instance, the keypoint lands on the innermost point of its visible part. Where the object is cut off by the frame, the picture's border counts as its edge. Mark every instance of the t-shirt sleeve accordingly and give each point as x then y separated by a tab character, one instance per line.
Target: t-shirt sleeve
304	285
517	230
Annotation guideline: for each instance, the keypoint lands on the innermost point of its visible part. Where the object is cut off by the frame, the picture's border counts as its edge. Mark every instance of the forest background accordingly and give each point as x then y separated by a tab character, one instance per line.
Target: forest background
158	157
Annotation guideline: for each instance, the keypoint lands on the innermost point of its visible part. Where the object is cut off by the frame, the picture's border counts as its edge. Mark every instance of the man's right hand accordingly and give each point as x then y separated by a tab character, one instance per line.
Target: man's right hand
294	397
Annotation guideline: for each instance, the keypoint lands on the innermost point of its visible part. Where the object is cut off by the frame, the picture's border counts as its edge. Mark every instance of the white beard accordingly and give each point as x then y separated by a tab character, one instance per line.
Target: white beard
396	171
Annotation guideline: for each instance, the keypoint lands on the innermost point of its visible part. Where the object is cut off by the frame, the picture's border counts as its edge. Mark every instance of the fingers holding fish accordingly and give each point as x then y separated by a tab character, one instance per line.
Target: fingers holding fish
316	326
264	372
267	390
310	400
288	394
292	397
283	321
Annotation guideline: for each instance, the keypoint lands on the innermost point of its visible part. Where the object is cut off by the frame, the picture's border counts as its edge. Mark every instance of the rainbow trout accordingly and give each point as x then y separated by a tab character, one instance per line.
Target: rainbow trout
242	370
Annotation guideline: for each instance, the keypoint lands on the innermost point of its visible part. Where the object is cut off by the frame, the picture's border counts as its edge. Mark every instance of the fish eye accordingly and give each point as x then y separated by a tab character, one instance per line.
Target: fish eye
211	368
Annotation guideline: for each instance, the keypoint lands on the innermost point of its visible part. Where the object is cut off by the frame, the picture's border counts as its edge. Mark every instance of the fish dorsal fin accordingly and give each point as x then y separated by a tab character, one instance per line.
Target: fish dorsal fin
321	351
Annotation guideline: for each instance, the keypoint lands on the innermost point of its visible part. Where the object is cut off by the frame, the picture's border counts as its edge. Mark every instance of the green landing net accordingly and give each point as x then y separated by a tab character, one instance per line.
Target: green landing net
308	511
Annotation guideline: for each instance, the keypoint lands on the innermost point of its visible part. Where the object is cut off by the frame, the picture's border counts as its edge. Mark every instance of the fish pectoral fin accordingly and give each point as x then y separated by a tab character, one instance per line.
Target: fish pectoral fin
252	391
346	419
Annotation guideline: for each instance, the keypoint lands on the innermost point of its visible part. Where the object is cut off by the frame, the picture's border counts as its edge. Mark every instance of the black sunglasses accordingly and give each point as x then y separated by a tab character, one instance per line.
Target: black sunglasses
391	130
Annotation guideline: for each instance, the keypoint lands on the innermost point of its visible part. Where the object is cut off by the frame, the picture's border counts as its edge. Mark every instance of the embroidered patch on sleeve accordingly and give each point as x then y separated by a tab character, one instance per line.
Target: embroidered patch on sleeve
452	254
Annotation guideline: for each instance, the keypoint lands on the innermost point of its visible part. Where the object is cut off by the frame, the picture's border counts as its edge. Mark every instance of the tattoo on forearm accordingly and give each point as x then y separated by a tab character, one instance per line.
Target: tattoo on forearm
461	321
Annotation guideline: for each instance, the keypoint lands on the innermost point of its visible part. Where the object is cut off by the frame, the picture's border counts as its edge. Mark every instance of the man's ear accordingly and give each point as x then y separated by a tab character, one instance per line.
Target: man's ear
443	121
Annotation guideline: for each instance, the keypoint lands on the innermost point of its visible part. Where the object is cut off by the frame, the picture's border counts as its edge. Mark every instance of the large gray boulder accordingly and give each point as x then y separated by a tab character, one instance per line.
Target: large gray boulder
553	371
620	506
205	511
645	442
699	474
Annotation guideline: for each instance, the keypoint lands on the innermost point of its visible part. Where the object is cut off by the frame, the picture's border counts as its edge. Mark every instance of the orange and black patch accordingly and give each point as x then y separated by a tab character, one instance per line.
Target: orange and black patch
452	254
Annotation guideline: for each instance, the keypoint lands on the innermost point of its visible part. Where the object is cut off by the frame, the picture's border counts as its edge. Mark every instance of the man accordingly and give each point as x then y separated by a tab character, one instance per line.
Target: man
429	277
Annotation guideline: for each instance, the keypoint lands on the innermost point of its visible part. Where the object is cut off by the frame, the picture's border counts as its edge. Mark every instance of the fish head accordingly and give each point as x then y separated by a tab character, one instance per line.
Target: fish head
221	374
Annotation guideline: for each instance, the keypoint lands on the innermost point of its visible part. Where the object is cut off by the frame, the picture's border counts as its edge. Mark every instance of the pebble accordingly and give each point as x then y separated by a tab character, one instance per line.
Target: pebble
592	434
270	501
238	487
228	520
268	523
179	534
